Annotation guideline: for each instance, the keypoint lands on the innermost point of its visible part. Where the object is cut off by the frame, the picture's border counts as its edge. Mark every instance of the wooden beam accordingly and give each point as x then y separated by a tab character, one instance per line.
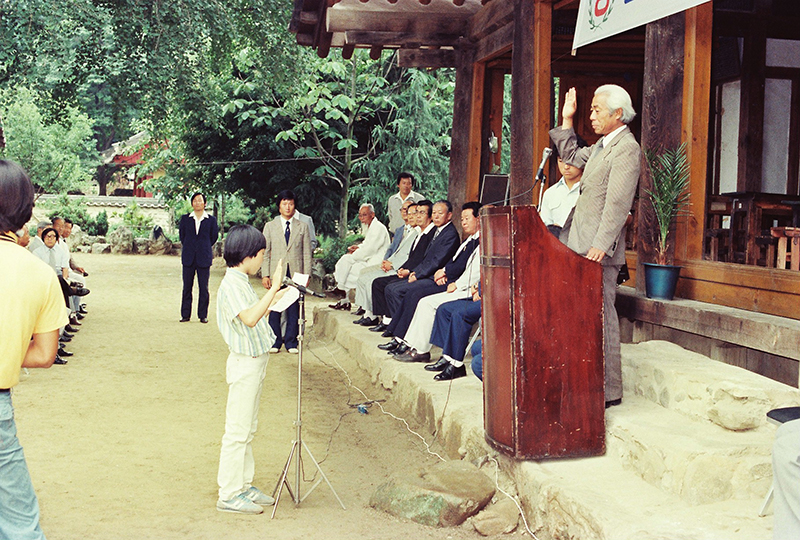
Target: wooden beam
698	45
411	23
461	186
347	51
751	111
663	81
475	129
491	18
400	39
496	43
492	118
427	58
308	17
530	94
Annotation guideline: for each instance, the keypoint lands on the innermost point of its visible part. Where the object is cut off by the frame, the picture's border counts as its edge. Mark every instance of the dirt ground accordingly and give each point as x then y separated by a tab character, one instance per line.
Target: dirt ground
123	442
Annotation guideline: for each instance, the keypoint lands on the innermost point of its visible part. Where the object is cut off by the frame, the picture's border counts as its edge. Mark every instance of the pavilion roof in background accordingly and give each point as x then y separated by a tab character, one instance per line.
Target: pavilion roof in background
426	31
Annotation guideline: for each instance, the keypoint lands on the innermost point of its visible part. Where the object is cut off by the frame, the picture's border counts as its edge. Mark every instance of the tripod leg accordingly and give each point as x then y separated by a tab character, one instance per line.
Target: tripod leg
323	476
276	493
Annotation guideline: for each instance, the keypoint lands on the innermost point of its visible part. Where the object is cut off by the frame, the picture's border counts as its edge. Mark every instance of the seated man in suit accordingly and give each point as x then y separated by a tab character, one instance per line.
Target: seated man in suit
415	257
451	331
359	256
288	239
450	282
395	256
442	247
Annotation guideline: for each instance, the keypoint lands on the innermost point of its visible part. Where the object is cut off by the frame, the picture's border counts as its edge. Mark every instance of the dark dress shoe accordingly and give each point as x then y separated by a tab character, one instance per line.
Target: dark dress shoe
204	321
402	348
80	291
63	352
359	321
185	319
438	366
80	315
359	312
59	361
74	321
370	322
380	328
451	372
83	310
413	356
387	333
392	345
70	328
613	402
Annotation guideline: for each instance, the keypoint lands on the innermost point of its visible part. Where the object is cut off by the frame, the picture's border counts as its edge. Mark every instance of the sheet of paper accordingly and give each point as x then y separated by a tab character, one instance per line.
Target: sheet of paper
291	295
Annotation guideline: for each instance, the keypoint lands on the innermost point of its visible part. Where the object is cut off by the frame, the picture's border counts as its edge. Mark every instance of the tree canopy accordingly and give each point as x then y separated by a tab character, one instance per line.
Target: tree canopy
233	105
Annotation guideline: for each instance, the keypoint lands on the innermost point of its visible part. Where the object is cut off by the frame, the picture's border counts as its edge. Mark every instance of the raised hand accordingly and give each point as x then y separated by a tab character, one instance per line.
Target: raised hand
570	107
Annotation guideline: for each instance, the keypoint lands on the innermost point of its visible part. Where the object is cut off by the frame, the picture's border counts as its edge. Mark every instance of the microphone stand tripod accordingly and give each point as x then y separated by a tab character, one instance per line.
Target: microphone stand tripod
298	445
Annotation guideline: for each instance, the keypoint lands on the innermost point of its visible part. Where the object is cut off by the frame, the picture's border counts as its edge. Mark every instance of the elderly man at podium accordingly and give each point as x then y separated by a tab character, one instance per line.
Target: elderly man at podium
596	227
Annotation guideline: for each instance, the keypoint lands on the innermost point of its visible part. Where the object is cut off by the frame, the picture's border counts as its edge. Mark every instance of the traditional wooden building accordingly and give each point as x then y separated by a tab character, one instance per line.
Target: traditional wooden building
723	77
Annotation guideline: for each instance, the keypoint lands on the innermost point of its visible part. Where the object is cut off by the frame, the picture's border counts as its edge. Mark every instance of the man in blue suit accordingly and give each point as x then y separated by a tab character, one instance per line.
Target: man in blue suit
198	232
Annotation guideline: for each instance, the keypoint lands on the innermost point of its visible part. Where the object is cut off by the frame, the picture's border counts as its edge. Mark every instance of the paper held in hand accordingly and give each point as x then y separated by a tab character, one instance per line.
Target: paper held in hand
291	295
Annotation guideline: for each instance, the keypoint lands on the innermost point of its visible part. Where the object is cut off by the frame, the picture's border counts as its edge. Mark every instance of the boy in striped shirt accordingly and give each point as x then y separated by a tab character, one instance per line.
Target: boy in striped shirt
241	321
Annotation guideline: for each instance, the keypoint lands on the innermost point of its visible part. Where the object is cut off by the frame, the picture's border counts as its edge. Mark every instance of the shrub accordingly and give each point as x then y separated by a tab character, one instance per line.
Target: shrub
332	248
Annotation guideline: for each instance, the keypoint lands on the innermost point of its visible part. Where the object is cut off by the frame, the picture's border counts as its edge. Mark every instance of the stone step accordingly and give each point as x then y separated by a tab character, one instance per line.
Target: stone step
696	460
698	387
664	475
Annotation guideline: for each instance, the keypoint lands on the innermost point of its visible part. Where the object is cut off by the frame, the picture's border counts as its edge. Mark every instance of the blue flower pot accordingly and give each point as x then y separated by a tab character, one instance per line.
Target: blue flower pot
660	280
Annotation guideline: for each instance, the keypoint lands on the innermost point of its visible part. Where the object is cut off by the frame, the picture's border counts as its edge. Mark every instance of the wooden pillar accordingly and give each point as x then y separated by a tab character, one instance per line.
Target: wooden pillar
663	81
492	118
696	106
751	111
531	82
464	156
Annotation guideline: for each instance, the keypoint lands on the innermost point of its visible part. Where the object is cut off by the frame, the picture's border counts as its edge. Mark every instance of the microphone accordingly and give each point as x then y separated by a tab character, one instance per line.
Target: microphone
288	281
546	153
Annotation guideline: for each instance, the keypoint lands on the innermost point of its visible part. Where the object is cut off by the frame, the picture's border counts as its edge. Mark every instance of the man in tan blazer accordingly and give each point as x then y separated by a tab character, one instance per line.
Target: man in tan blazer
288	239
596	227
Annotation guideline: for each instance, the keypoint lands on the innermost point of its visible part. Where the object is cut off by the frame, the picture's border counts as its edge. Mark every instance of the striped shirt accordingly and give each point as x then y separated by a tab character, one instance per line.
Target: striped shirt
234	296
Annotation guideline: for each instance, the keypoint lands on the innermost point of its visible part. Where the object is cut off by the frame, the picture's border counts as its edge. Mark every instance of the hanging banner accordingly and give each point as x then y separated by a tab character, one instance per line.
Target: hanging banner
599	19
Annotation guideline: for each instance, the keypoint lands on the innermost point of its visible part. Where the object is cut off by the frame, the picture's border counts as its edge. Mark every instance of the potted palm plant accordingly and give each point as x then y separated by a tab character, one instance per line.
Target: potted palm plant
669	170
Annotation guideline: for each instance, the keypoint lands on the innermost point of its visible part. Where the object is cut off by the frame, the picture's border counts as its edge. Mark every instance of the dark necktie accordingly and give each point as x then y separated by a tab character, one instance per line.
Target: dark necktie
286	234
435	235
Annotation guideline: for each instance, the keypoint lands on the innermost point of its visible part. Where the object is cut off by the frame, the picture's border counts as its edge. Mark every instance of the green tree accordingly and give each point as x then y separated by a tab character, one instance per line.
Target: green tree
58	154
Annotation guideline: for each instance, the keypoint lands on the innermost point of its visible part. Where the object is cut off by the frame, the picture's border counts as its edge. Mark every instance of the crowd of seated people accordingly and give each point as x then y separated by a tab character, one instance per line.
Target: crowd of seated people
50	246
426	291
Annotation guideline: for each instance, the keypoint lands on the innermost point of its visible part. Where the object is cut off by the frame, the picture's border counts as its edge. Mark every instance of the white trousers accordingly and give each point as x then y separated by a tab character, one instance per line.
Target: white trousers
347	270
245	378
785	480
418	335
364	285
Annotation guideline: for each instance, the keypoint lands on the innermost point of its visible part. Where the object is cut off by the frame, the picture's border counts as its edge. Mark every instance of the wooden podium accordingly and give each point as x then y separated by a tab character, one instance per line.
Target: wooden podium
542	340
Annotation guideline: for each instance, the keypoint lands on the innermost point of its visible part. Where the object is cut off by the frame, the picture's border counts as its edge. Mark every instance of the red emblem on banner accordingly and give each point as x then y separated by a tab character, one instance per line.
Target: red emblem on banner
600	7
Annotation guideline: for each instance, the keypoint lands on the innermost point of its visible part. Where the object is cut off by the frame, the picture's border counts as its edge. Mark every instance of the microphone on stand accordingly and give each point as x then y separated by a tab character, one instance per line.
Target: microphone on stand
288	281
546	153
540	177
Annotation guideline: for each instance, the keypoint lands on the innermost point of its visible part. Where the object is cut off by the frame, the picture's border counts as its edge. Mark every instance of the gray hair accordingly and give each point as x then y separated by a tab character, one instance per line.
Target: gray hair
617	98
43	225
368	205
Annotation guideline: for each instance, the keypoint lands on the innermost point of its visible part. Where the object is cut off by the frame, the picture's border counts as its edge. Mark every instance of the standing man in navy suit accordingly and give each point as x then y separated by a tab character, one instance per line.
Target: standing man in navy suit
198	232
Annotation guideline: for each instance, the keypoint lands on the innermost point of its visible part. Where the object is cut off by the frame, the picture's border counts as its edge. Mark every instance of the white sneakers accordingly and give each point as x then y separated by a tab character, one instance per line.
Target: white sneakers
248	502
293	350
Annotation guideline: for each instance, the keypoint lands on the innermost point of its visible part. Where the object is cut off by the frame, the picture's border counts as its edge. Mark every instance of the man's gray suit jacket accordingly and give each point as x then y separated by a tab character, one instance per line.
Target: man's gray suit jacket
608	185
